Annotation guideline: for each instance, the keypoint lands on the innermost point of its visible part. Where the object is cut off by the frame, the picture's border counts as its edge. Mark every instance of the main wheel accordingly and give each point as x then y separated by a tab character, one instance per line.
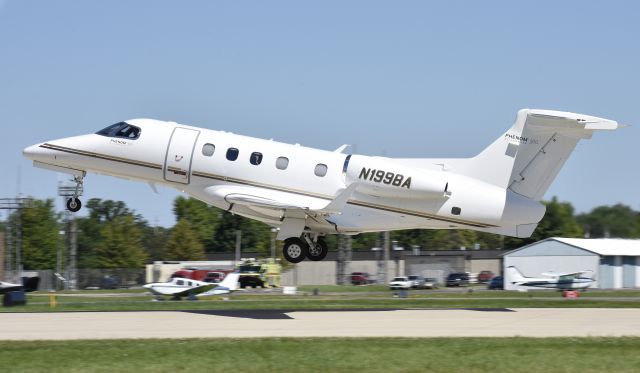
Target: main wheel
294	250
74	204
318	250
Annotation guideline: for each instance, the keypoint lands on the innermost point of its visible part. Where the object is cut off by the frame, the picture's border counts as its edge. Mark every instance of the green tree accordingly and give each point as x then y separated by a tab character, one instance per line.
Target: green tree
558	221
202	218
611	221
91	236
40	234
256	236
120	245
183	243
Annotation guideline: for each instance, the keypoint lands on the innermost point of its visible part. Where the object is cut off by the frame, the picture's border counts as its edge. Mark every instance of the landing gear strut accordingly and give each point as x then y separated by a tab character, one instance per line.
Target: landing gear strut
296	249
73	203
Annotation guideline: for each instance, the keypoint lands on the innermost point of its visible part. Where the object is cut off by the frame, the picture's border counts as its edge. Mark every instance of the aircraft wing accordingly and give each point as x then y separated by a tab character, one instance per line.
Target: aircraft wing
262	198
195	290
567	275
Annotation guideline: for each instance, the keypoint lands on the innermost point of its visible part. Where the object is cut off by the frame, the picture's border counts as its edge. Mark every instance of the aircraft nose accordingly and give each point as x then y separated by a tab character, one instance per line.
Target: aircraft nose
35	152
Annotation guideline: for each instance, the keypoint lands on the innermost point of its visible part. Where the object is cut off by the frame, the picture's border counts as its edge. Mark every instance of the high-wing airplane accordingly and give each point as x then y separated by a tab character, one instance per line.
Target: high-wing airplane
552	280
308	193
183	287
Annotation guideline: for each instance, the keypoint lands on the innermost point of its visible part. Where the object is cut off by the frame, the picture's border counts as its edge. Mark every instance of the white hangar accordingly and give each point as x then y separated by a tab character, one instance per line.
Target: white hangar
615	262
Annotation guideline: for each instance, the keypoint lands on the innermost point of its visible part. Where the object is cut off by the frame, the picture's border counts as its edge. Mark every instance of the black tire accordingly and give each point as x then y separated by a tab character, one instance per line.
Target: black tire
74	204
294	250
319	251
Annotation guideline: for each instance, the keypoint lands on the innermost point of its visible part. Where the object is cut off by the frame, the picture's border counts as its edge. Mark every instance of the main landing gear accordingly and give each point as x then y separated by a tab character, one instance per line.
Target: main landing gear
296	249
73	203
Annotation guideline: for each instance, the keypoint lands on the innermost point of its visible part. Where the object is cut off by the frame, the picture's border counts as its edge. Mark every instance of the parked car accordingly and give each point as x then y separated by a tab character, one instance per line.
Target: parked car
361	278
418	281
401	282
485	276
430	283
458	279
496	283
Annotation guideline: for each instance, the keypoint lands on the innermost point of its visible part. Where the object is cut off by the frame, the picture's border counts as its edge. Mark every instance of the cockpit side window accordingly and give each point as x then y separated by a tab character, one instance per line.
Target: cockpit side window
122	130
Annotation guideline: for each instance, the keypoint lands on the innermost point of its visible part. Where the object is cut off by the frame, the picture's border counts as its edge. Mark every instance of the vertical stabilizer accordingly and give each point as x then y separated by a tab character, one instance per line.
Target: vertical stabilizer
527	158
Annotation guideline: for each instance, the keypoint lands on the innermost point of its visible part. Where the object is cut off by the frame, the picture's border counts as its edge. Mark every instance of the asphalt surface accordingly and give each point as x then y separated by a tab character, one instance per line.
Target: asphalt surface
529	322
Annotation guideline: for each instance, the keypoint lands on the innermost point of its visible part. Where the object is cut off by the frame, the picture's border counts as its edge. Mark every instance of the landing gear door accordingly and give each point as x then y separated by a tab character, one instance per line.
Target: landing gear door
177	164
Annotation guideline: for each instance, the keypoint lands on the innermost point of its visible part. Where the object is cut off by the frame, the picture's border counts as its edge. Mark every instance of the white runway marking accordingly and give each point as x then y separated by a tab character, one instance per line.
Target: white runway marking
529	322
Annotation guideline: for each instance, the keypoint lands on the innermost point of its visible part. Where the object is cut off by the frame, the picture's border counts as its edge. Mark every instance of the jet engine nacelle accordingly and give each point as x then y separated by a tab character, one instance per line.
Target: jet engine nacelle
382	177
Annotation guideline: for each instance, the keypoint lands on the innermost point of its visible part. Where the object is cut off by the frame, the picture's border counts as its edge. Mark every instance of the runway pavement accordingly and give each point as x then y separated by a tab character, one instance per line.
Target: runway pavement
529	322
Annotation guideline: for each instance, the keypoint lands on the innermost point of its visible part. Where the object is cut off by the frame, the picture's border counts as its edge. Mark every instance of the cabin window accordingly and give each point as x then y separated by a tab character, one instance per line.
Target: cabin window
180	282
282	163
456	210
208	149
321	169
122	130
232	154
256	158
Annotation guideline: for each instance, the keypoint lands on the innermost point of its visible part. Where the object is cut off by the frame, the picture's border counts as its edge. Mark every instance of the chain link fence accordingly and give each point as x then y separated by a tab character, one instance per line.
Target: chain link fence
91	279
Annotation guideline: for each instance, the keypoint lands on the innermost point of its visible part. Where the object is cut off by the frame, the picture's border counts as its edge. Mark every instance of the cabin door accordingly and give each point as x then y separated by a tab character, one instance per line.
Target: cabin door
177	164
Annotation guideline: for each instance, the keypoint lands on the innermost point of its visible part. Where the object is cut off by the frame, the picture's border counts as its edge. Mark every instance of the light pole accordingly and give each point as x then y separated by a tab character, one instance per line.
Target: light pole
273	242
397	252
66	191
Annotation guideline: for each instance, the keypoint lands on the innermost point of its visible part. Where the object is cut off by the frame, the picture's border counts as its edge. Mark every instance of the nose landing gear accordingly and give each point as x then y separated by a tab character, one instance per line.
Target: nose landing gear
73	203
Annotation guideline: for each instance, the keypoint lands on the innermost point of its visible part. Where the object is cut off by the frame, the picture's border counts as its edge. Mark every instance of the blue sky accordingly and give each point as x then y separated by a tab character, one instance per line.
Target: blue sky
404	79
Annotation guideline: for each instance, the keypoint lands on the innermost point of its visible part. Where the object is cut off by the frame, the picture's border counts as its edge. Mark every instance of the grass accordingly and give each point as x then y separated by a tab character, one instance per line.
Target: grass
335	296
326	354
136	302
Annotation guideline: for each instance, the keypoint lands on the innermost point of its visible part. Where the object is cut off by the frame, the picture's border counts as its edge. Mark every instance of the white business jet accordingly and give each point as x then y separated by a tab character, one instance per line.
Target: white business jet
552	280
183	287
308	193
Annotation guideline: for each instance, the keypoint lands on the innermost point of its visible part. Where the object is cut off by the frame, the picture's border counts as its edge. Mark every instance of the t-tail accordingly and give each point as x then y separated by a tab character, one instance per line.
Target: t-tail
527	158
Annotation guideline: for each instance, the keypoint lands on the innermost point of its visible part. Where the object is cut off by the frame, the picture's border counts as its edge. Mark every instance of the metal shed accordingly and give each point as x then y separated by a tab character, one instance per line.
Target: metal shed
614	262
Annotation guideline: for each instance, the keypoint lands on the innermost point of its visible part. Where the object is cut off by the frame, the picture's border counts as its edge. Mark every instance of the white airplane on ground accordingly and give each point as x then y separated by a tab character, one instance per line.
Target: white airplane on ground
6	287
183	287
309	193
552	280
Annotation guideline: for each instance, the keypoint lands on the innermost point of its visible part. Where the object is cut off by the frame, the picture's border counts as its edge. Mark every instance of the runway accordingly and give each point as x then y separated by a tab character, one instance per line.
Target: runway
528	322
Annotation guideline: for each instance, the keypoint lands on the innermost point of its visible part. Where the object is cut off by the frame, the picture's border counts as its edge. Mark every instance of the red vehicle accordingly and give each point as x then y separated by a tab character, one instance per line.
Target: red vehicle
485	276
361	278
206	275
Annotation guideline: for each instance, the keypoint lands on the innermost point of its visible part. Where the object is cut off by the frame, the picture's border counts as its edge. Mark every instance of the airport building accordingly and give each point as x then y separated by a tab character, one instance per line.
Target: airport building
615	262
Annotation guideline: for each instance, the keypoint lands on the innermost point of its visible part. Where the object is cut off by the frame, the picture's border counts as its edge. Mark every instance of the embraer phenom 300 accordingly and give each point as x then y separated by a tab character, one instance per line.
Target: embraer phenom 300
308	193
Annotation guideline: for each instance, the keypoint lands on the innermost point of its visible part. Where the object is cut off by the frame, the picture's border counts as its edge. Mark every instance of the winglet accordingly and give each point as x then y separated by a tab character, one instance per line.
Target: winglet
342	148
340	200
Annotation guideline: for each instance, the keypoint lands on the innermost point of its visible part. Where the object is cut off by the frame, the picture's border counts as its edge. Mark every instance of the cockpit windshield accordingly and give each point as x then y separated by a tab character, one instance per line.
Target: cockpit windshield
122	129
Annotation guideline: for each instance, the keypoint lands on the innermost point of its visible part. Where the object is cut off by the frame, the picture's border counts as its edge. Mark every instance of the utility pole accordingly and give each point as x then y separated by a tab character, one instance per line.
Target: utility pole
387	248
238	245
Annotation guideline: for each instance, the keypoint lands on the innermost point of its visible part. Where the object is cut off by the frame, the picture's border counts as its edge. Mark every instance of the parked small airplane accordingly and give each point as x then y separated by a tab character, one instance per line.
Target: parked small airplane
308	193
552	280
30	284
6	287
182	287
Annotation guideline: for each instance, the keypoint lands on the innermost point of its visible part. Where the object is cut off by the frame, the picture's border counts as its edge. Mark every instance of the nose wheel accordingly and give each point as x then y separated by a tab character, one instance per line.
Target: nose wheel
74	204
